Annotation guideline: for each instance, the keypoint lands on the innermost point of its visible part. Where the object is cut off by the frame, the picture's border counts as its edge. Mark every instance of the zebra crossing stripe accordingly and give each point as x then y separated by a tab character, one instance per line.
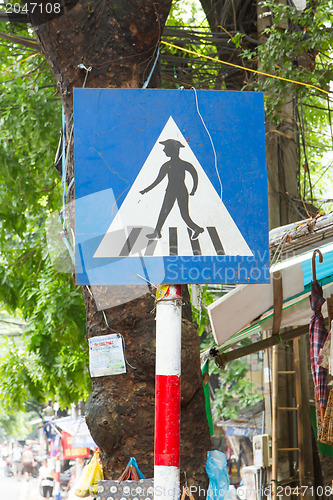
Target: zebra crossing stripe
173	241
150	248
194	244
130	242
216	240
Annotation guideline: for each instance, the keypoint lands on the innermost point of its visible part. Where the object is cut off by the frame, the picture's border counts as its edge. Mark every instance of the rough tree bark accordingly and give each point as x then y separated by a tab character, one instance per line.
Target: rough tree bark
226	18
118	40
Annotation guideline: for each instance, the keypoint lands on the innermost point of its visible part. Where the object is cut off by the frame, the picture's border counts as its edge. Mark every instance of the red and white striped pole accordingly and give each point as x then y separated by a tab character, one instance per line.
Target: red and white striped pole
167	394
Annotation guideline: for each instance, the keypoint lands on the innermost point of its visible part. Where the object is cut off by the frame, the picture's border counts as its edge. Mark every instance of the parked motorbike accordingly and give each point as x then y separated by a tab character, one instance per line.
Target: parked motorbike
35	469
8	469
65	478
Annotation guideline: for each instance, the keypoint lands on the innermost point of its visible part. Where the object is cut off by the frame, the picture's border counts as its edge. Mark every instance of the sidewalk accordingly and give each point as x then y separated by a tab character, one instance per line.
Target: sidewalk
30	491
27	489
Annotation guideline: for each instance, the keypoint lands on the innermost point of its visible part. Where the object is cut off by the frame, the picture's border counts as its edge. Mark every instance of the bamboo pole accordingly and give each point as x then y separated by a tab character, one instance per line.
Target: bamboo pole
300	430
275	396
224	357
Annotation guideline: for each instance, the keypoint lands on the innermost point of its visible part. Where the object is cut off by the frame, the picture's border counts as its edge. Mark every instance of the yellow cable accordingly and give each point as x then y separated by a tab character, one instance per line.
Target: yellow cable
19	39
229	34
22	60
244	69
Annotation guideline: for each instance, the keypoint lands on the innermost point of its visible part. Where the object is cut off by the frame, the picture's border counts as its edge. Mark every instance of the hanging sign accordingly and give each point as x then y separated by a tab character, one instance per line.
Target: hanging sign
69	451
106	355
170	187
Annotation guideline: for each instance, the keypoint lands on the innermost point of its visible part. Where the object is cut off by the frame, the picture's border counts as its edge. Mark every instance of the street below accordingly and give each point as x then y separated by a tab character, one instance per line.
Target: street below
14	489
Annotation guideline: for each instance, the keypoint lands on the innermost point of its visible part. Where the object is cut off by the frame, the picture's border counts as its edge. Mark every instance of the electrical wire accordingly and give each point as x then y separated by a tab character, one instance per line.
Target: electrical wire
211	140
269	75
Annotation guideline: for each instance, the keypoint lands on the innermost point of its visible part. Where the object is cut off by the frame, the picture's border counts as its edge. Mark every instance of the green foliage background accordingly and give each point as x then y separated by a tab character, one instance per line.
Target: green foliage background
298	46
235	391
51	358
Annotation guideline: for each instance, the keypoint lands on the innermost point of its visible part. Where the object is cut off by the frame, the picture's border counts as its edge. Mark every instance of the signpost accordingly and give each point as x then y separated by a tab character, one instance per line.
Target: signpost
167	393
170	188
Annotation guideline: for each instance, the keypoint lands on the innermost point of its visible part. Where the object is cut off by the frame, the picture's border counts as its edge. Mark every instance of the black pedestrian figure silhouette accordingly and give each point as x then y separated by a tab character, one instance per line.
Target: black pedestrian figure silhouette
175	169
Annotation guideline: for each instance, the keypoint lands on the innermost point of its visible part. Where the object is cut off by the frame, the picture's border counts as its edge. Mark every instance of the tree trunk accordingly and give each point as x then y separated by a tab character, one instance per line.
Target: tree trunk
282	148
120	411
118	41
226	18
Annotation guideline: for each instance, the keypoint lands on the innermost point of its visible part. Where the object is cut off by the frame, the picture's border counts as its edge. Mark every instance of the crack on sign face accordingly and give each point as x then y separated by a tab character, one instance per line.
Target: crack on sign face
106	163
115	203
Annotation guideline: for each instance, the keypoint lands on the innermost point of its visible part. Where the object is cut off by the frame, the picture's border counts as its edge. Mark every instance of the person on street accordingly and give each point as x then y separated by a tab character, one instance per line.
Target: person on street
27	461
5	451
16	460
46	479
76	472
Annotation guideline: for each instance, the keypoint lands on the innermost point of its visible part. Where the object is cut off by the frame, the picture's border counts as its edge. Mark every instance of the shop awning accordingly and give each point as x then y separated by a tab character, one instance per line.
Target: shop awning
249	309
249	423
78	429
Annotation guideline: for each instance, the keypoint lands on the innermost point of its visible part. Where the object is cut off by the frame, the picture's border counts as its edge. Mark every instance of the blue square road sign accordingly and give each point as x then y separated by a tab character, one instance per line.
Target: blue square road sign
170	187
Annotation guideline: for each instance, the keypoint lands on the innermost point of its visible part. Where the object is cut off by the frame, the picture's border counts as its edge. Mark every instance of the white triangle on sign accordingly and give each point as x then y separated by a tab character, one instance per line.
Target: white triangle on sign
138	214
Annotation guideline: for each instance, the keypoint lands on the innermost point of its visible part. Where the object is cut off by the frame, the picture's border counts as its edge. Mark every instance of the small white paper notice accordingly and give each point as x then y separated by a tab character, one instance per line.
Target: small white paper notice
106	355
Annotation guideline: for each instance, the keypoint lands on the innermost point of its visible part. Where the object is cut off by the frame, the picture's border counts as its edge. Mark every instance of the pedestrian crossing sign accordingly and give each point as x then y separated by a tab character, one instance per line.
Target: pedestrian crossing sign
170	187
